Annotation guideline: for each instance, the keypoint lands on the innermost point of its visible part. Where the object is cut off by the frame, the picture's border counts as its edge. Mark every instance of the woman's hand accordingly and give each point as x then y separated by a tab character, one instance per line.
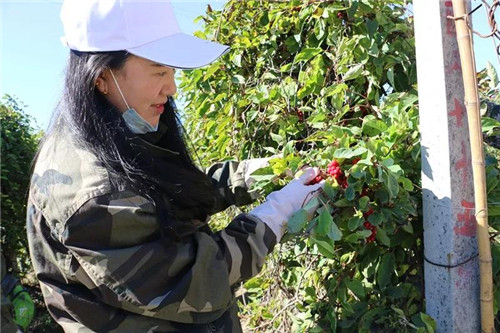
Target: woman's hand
280	205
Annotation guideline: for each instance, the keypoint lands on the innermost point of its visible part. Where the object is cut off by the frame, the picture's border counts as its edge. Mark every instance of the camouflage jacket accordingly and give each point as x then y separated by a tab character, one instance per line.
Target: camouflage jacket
103	266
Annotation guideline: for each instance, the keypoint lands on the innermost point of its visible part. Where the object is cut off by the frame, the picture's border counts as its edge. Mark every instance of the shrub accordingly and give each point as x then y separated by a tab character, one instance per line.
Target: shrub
19	145
317	82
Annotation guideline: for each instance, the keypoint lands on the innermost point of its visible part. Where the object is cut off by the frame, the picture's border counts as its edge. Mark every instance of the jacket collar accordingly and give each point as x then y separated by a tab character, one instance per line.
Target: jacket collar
150	141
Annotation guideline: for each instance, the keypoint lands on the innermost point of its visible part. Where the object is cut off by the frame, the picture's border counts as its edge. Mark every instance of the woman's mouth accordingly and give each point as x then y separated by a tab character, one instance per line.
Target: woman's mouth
159	108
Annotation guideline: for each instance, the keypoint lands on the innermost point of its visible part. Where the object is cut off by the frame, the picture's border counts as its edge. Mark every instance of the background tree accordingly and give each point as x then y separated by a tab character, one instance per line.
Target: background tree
19	144
18	148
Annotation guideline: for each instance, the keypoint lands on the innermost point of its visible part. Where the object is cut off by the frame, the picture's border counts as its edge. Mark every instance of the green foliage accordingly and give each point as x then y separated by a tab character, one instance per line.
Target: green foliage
318	81
19	145
490	106
296	56
489	93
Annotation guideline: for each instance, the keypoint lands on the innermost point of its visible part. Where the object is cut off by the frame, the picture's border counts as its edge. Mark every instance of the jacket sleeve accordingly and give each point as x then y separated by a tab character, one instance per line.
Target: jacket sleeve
119	255
231	181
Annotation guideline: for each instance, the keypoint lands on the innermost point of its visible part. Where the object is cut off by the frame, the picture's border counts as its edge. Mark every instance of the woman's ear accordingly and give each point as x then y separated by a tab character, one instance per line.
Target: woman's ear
102	84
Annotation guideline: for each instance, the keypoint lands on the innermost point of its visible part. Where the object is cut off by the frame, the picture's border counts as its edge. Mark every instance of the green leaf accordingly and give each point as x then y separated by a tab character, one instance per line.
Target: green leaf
278	165
334	232
391	183
311	224
488	124
390	76
363	233
356	287
238	79
211	70
430	324
353	72
263	174
277	138
332	319
330	191
492	74
307	53
236	59
407	184
306	90
343	203
400	312
373	126
354	222
376	218
349	153
353	238
409	228
382	195
385	270
396	292
289	87
325	246
364	201
371	26
311	207
366	322
297	221
382	237
286	67
388	162
335	89
324	222
350	193
493	210
407	101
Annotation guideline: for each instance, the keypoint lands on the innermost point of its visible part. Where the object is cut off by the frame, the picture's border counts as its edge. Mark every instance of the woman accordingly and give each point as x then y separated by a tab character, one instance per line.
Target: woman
117	213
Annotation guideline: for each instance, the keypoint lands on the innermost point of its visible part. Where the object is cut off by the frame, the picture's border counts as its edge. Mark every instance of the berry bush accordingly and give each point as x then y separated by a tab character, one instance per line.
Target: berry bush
330	84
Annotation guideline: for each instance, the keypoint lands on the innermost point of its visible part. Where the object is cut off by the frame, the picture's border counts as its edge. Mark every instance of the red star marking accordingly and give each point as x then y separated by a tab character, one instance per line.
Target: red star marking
454	67
458	112
466	225
463	164
450	24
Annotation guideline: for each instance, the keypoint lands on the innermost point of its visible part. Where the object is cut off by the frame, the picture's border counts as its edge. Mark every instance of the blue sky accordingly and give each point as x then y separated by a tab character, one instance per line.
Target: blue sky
32	58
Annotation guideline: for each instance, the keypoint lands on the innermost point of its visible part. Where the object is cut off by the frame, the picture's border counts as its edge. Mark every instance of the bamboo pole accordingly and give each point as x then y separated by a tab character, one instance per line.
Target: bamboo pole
466	50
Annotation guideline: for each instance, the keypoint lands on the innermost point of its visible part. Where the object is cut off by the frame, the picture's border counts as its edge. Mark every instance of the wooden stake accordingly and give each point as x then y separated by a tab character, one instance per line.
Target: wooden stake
464	39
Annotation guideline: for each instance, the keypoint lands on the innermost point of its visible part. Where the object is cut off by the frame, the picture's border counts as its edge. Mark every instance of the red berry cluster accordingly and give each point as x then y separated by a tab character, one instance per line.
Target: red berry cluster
300	114
370	226
316	179
335	171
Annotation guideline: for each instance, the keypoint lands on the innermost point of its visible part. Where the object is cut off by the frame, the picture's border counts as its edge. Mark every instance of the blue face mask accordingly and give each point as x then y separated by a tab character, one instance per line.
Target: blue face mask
134	121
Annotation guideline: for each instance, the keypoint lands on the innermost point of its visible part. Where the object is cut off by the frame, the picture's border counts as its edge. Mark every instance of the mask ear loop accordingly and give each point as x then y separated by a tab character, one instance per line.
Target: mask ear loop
119	90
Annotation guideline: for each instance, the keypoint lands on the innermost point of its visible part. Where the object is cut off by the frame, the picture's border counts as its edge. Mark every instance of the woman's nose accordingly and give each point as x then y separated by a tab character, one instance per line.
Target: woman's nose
169	87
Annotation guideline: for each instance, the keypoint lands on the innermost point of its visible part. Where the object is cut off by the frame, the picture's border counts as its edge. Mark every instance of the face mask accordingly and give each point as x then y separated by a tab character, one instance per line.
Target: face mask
134	121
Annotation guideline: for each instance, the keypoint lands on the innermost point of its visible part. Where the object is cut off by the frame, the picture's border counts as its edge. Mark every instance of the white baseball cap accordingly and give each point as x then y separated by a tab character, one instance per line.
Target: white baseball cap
147	29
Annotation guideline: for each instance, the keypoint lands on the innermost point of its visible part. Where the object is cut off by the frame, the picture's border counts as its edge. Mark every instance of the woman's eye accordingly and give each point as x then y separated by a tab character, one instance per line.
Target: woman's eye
162	73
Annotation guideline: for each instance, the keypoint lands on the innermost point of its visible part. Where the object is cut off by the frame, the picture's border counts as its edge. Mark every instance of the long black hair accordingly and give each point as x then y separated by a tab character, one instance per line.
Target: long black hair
175	184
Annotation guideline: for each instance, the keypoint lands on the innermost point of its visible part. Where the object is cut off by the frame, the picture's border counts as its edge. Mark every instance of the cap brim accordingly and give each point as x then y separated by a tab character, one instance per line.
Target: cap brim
181	51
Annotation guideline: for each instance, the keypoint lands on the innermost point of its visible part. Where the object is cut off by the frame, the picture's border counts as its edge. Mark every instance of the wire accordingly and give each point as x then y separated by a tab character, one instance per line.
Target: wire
490	13
495	33
451	266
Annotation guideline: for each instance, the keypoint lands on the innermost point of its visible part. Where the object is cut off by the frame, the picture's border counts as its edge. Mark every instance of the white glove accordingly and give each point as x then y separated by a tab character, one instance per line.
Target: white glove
280	205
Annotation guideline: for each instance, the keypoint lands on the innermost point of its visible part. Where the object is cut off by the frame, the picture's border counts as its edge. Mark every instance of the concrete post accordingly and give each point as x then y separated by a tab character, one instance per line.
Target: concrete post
451	264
